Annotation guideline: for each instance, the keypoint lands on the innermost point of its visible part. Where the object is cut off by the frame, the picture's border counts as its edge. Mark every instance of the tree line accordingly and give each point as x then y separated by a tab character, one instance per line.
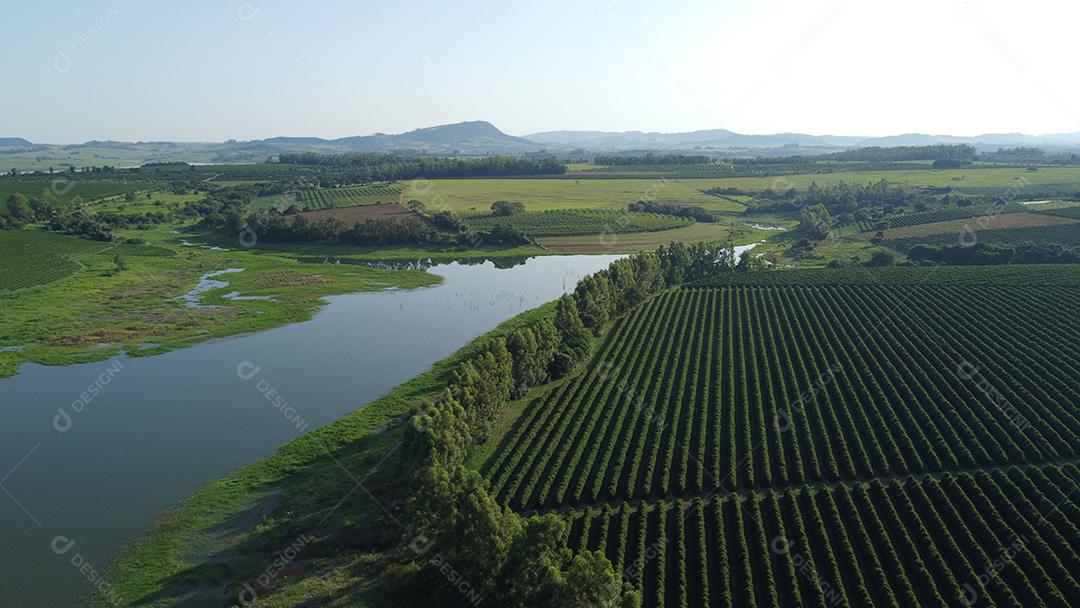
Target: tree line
902	153
655	159
443	228
387	167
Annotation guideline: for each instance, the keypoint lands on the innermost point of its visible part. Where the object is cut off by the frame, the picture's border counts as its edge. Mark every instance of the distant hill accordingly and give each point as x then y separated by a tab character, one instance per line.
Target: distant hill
721	139
480	137
475	137
466	137
15	142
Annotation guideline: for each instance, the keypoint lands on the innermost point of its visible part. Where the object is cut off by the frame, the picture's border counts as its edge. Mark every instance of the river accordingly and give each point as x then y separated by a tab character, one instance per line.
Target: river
137	435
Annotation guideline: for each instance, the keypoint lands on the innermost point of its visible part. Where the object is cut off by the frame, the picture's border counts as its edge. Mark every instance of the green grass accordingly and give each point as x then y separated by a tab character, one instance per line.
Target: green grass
92	313
578	192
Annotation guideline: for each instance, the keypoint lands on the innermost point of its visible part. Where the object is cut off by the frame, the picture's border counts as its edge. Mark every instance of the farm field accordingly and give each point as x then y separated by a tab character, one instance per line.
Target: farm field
351	196
34	258
1005	221
570	192
1065	231
916	219
715	419
579	222
916	541
540	194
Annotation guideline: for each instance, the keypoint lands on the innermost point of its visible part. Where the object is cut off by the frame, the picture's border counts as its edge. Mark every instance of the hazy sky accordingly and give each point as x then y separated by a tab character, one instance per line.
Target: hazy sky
212	70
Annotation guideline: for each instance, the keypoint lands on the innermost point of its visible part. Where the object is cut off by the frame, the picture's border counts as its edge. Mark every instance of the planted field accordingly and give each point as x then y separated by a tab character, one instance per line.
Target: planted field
33	258
757	387
975	223
874	428
915	219
1005	537
1061	231
580	222
319	198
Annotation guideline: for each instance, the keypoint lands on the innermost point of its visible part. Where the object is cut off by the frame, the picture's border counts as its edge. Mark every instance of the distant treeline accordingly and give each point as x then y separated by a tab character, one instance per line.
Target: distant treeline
1029	156
655	159
902	153
388	167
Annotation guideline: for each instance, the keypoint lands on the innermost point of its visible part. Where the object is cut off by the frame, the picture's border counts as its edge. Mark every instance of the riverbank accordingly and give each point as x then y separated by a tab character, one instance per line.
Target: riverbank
317	490
95	313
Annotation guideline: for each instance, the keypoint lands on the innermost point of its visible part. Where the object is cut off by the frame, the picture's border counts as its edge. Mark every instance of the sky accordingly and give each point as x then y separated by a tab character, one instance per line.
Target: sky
230	69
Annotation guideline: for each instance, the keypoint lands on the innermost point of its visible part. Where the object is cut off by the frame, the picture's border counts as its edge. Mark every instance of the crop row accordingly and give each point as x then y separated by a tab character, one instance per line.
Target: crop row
1007	537
742	387
319	198
571	222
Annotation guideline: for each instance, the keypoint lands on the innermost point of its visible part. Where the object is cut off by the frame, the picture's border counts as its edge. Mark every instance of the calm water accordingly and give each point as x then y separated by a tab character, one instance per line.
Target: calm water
140	434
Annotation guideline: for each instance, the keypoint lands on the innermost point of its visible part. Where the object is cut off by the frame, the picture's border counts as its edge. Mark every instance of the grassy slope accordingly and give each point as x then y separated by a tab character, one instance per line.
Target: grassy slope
315	486
93	314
